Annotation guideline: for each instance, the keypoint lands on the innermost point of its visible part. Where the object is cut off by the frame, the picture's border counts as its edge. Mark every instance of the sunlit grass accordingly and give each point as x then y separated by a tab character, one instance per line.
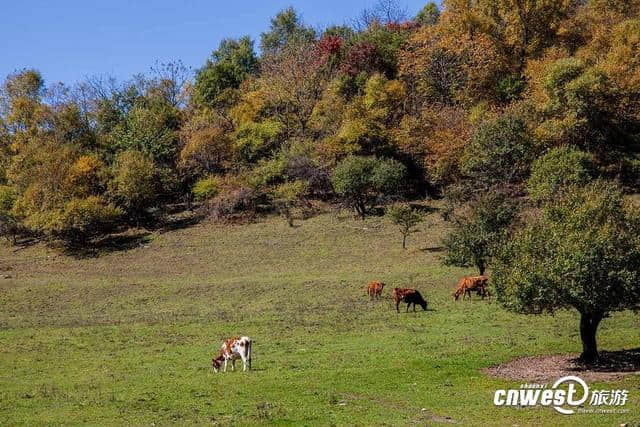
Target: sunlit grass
127	337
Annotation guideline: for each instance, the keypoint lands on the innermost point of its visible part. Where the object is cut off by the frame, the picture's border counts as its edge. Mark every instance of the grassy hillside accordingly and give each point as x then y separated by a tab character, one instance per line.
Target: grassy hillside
127	337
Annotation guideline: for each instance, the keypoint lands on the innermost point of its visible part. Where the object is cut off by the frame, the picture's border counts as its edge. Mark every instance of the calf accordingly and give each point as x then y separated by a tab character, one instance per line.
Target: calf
374	290
410	296
471	283
233	349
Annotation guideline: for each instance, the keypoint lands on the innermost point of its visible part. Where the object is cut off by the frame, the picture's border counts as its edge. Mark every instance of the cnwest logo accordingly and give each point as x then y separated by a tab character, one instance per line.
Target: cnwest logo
563	400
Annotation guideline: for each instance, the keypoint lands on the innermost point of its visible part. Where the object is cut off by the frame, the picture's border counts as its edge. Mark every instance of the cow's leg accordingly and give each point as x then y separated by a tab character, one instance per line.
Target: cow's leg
398	306
225	365
414	307
233	364
249	354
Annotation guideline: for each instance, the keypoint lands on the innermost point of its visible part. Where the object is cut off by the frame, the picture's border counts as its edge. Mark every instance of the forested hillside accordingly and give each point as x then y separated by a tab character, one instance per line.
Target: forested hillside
511	97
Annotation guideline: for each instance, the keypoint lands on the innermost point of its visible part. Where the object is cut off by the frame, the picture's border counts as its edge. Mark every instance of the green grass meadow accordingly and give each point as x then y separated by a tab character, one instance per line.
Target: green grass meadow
127	337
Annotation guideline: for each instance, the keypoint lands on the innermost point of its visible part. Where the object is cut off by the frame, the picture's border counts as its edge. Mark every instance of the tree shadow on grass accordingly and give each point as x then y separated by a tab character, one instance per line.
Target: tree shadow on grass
24	243
423	208
612	361
433	249
109	244
173	224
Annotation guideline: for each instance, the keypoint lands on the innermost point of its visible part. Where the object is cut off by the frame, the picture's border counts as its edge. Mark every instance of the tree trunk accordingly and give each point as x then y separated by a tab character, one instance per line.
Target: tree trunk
588	327
361	209
481	267
404	241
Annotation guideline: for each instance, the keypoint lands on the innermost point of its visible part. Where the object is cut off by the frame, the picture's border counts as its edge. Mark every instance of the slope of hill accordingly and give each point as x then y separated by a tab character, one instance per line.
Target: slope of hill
127	337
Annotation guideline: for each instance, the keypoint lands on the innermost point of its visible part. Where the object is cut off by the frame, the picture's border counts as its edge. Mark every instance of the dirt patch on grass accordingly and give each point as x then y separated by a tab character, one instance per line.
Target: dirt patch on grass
612	366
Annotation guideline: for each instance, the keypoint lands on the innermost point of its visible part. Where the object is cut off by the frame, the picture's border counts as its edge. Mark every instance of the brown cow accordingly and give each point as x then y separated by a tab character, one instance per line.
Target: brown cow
410	296
471	283
374	289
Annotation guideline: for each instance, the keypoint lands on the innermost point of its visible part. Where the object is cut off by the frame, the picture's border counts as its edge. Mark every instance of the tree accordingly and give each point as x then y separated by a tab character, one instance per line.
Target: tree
521	27
228	67
288	195
429	14
383	12
134	184
406	218
363	181
557	170
441	66
499	154
477	233
292	82
581	252
369	118
286	27
207	146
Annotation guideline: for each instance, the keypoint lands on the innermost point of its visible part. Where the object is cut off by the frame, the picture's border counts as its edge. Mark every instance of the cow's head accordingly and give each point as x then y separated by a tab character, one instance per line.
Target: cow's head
216	362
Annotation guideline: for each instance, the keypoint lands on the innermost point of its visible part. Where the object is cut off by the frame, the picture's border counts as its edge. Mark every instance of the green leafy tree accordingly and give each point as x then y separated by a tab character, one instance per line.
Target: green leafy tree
406	218
429	14
135	182
286	27
140	117
478	232
582	253
363	181
227	68
500	153
558	169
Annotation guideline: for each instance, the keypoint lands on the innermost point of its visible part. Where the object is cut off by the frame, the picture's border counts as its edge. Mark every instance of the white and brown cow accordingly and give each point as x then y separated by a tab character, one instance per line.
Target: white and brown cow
231	350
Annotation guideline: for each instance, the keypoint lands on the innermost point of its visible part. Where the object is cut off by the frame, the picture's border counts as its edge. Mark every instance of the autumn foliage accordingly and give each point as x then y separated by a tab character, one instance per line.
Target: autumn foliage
461	100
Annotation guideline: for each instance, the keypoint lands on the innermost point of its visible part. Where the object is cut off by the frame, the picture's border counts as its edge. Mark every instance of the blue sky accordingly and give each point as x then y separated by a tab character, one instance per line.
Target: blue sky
68	40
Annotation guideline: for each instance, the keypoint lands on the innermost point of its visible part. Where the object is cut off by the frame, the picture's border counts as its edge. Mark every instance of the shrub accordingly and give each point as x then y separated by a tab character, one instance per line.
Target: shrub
206	188
234	200
318	178
511	87
10	228
78	220
8	198
267	172
558	169
363	181
254	141
287	196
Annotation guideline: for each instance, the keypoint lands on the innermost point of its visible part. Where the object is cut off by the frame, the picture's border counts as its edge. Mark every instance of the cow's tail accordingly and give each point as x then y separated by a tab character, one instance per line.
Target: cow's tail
249	352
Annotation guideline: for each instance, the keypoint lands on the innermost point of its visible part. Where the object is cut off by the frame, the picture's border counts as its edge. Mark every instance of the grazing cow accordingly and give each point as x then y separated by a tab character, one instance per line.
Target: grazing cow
471	283
410	296
374	290
233	349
